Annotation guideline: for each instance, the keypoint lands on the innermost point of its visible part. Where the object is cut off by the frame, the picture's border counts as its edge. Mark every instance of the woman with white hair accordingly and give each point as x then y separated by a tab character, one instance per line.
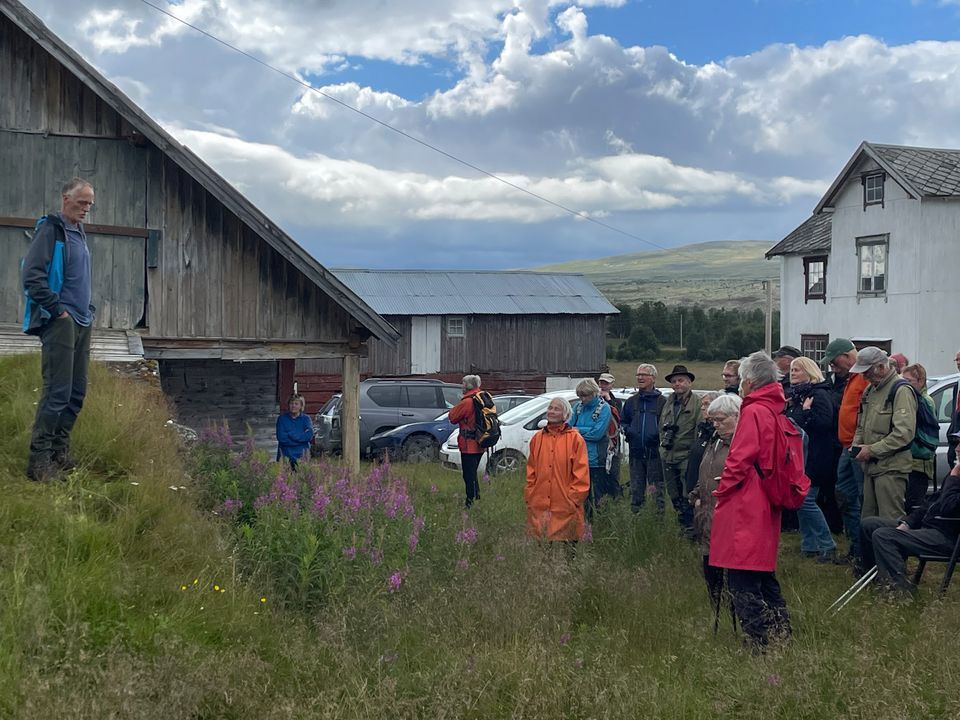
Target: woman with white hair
464	415
558	479
722	413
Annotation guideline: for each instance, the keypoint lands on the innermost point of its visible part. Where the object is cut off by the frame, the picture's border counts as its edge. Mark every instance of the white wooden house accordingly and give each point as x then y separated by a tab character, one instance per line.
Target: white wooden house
879	259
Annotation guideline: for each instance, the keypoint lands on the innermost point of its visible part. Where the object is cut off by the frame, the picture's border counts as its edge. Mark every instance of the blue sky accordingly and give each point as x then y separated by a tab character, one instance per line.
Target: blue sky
676	121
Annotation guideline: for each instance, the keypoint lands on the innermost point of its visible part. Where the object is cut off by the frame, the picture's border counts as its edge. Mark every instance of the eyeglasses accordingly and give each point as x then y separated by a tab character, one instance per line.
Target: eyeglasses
728	375
644	374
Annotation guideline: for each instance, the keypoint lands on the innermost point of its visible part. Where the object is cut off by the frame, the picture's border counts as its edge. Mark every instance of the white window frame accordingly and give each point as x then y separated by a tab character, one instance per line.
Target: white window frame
456	327
873	189
869	244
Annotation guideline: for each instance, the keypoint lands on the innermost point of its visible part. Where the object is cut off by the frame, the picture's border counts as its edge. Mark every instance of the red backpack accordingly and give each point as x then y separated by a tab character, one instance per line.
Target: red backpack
787	485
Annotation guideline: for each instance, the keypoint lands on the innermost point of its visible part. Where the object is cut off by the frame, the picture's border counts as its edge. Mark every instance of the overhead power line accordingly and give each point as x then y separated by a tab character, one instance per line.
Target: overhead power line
398	131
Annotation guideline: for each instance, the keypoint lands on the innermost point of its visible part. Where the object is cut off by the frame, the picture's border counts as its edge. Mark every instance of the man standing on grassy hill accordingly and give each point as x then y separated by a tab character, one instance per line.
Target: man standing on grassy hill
57	282
678	432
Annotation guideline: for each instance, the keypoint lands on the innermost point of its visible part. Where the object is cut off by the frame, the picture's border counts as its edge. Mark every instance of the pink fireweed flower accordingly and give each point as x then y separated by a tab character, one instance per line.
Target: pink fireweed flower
434	489
350	553
230	506
587	533
565	638
463	564
376	555
395	581
467	536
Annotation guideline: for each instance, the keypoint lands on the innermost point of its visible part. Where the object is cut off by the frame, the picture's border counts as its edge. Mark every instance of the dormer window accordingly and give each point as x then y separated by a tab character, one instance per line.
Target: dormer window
873	189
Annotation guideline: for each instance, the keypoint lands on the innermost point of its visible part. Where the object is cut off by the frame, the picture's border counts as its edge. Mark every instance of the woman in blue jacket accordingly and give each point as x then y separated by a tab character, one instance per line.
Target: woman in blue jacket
294	432
591	418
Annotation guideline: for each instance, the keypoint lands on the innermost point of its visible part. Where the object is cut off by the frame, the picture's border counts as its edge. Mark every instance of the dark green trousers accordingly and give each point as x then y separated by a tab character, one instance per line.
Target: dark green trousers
65	361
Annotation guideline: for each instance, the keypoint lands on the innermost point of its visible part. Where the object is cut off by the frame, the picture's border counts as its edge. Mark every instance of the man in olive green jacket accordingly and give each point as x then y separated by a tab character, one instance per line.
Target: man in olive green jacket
884	433
678	431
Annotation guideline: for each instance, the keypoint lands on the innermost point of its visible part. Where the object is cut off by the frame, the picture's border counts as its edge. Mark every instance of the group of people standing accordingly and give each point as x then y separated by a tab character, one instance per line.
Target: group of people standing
710	454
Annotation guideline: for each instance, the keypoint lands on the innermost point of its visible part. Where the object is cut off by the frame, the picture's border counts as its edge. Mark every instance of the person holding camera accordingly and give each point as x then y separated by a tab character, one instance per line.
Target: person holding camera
884	432
678	430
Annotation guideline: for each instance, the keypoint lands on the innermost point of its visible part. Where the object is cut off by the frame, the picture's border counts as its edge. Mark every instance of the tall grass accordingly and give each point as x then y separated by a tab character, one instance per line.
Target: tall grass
101	616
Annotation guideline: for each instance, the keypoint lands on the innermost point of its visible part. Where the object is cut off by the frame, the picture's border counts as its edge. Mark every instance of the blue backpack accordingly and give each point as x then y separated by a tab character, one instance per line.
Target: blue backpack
54	275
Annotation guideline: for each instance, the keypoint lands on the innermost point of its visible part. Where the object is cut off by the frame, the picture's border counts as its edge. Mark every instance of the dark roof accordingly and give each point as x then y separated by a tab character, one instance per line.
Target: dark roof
476	292
200	171
931	172
921	172
813	235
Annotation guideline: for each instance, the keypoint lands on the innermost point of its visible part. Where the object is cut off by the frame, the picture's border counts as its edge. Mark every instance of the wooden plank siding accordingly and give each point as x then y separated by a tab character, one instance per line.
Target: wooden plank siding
216	277
523	344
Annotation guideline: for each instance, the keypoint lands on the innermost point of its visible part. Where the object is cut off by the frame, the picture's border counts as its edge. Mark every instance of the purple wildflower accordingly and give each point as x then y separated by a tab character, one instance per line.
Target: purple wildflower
230	506
350	552
587	533
467	536
434	489
395	581
376	555
463	564
486	477
565	638
773	680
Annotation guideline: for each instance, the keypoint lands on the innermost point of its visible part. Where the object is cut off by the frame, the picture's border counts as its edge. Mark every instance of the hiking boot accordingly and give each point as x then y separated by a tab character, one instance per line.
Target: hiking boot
809	553
64	460
827	556
42	471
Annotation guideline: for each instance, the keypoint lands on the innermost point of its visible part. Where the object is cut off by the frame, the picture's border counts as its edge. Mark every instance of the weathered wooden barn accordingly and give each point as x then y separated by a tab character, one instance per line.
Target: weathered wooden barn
183	263
519	330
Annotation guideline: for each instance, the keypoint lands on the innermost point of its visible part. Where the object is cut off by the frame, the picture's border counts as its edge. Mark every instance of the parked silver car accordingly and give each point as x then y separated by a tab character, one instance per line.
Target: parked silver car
384	404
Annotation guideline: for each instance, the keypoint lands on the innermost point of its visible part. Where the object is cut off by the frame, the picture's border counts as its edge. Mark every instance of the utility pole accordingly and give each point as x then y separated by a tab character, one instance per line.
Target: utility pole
768	318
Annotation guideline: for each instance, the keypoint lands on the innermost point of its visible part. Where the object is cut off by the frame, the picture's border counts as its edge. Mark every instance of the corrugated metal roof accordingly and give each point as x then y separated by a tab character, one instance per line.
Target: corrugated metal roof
475	292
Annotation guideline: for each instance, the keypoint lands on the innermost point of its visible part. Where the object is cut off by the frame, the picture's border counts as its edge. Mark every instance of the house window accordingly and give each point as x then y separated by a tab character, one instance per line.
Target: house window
873	189
814	346
815	274
455	327
872	254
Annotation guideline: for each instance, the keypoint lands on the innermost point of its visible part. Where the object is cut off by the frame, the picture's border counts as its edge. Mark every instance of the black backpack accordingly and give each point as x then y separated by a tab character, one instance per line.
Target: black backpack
486	423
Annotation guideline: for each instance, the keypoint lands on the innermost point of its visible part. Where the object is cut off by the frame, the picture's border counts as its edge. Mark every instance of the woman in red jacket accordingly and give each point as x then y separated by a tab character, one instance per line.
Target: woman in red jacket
746	527
464	415
558	478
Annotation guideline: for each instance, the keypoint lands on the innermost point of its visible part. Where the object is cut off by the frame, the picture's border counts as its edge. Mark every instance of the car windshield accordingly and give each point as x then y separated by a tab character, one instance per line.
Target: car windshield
441	417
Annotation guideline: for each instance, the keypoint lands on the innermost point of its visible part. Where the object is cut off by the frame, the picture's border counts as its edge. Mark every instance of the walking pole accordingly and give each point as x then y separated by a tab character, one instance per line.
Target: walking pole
716	607
854	590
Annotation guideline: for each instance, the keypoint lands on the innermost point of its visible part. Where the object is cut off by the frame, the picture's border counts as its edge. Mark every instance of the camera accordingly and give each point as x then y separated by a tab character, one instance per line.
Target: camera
669	436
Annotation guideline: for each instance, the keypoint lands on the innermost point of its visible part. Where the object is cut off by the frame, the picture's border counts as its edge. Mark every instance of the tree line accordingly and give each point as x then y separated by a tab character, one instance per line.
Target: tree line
708	334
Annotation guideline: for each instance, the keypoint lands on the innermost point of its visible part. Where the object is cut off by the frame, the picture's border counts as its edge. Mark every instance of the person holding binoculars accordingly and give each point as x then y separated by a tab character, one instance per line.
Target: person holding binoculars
678	428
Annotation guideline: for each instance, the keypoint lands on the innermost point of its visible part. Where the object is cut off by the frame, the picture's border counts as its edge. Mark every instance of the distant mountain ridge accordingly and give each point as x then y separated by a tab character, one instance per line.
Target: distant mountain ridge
725	273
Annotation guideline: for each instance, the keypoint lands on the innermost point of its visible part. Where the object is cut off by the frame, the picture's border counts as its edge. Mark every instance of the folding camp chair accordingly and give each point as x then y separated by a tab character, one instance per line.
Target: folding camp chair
951	559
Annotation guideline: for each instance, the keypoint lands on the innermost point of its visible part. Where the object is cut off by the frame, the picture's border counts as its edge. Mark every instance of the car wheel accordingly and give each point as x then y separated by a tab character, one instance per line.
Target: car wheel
506	461
420	449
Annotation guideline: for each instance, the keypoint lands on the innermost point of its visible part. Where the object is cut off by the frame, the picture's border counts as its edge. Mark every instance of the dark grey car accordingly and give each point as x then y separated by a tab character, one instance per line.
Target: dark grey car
384	404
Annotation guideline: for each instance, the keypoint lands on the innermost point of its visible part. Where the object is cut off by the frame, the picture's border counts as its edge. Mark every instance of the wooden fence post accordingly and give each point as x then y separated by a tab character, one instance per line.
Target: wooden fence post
350	412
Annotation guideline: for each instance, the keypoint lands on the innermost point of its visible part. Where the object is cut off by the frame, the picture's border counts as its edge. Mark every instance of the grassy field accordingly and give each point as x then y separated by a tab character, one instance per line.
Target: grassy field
713	274
122	599
707	373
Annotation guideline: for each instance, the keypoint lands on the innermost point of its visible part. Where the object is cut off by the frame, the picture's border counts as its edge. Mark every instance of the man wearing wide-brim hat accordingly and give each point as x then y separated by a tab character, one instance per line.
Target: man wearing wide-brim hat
678	430
886	426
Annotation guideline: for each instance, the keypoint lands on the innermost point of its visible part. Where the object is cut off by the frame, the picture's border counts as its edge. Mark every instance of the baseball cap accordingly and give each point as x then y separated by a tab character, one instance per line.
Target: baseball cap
837	346
868	357
606	377
787	351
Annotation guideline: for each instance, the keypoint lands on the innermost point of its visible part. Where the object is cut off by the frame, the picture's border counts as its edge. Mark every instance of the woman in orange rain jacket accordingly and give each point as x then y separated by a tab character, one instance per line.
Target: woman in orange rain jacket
558	478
